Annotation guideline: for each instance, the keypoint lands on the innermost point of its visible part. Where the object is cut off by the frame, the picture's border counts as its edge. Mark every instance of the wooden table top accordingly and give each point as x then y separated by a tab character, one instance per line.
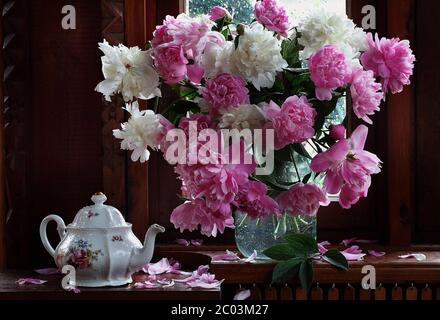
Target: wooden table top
52	290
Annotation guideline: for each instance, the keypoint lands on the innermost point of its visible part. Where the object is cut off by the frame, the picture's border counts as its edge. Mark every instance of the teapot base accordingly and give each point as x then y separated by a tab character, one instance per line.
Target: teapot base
102	283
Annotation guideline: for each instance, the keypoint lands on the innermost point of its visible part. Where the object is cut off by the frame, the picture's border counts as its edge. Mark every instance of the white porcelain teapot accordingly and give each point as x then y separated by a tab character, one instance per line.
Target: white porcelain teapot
100	245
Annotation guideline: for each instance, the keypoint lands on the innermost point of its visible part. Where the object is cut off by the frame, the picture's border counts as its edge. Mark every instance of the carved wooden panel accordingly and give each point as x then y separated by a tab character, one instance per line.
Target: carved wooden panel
16	66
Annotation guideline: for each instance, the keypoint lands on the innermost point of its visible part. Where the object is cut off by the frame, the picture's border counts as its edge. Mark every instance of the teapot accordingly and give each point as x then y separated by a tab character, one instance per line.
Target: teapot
100	245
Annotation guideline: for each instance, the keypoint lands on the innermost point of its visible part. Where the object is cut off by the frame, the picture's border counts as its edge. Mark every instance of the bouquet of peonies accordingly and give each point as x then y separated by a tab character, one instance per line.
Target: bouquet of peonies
267	90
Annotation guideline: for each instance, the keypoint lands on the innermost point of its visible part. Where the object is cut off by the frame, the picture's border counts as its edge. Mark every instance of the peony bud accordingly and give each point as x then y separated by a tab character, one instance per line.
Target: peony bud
218	13
337	132
240	29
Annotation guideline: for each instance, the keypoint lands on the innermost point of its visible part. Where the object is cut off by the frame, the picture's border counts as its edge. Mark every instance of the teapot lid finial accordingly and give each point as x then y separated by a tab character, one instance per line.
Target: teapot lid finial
99	198
99	215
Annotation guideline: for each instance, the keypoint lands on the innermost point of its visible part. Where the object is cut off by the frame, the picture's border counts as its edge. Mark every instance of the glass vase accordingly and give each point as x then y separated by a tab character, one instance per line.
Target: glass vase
261	234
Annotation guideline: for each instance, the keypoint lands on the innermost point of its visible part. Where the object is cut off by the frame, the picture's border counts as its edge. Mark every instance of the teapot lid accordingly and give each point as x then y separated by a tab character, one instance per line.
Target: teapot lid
98	215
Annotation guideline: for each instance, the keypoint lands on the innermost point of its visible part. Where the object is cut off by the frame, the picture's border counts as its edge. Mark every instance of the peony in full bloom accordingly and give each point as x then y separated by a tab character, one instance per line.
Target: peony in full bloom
142	130
170	61
323	27
348	168
218	12
329	70
127	71
273	16
225	90
253	200
303	199
390	59
185	31
292	123
217	59
257	57
248	116
366	94
337	132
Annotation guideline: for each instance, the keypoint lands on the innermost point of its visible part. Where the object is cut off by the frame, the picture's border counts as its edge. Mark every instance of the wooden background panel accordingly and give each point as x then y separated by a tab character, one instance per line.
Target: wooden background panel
62	121
427	123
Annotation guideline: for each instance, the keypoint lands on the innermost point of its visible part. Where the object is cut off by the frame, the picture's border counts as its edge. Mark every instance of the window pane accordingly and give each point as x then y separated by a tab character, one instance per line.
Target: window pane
242	10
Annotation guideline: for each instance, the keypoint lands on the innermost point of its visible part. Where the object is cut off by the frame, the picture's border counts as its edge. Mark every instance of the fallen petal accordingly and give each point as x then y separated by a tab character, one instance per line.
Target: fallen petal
228	256
182	242
353	250
205	285
48	271
348	242
321	247
252	257
376	253
23	281
353	256
197	242
146	285
417	256
73	289
325	243
242	295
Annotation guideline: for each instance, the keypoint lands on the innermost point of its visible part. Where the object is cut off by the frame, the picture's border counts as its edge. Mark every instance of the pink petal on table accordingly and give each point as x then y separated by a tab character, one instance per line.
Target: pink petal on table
417	256
146	285
197	242
182	242
375	253
196	274
166	283
205	285
242	295
353	250
348	242
353	256
162	266
252	257
73	289
228	256
321	247
48	271
23	281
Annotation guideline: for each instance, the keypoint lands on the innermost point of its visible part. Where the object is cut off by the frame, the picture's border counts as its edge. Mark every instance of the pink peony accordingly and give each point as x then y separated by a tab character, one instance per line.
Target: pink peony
293	122
337	132
365	94
254	201
329	70
390	59
170	62
348	168
191	215
273	16
217	13
303	199
224	91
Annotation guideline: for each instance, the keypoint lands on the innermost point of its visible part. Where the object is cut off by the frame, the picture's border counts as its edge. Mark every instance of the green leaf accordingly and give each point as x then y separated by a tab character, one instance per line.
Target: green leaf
306	274
290	51
336	259
286	270
236	41
302	244
279	252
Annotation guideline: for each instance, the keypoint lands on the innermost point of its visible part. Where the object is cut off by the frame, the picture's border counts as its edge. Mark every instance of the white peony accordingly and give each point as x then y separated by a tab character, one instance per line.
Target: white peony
217	59
323	27
257	57
141	131
248	116
128	71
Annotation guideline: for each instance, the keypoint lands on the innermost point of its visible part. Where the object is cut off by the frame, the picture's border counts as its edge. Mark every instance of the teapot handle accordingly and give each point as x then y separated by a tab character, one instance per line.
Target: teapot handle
61	228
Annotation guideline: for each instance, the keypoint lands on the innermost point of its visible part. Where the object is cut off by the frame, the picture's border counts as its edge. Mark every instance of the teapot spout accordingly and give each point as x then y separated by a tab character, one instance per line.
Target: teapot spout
143	255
